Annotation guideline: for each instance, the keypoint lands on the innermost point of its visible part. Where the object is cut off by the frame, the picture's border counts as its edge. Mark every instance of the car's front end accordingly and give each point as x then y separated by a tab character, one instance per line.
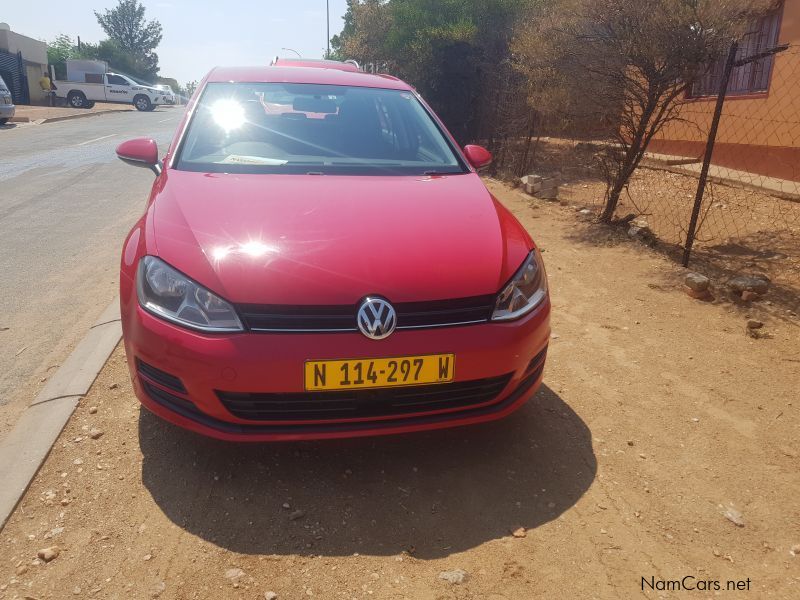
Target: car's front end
167	94
267	300
7	108
280	377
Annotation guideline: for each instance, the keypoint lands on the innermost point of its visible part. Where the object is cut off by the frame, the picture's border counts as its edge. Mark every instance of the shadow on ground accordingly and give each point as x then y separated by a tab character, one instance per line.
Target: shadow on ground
431	494
764	253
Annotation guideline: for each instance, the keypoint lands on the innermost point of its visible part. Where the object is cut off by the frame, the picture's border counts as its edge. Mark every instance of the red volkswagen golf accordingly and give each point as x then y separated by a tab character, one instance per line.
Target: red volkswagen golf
318	259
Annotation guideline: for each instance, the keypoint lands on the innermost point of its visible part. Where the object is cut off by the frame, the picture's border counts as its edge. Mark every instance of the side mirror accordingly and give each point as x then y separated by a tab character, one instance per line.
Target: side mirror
478	156
140	152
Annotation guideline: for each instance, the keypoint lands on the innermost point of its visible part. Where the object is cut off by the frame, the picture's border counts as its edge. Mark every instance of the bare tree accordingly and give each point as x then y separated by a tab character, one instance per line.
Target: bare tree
627	65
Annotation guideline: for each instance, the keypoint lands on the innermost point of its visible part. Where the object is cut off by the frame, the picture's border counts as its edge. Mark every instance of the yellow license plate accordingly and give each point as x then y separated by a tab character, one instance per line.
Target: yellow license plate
379	372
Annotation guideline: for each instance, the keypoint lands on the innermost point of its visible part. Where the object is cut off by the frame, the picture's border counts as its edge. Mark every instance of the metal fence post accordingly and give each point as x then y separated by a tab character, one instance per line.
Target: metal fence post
712	138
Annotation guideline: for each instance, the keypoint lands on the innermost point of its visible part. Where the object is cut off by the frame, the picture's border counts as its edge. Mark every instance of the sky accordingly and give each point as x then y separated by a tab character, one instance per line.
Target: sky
198	34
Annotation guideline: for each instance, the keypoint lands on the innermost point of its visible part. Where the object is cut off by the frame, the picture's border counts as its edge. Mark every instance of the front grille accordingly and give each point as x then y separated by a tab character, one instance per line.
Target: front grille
410	315
162	378
362	404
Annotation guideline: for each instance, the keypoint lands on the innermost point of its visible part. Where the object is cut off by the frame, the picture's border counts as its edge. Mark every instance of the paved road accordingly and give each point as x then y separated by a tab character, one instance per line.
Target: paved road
66	204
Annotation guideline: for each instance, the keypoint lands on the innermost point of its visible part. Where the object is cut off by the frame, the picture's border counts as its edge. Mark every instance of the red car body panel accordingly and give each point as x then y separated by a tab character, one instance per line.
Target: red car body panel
310	239
324	240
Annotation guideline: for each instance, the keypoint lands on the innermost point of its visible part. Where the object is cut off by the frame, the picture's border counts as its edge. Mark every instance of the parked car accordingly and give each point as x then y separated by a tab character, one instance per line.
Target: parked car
111	87
7	107
169	94
319	259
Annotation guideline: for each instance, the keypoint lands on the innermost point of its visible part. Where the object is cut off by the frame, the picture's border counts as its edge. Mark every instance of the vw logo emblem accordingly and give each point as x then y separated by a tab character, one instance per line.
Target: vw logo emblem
376	318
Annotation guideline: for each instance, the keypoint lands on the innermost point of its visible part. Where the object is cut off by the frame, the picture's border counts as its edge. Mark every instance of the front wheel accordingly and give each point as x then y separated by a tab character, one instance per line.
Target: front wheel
4	120
89	104
142	103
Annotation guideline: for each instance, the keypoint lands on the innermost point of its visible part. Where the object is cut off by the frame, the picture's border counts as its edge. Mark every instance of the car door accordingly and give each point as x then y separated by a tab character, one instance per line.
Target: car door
118	89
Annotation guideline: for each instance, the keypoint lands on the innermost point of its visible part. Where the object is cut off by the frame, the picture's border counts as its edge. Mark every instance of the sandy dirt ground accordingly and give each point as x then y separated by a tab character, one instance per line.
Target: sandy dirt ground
658	416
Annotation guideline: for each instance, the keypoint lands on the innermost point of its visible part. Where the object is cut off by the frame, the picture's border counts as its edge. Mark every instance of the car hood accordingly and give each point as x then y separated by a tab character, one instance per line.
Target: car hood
311	239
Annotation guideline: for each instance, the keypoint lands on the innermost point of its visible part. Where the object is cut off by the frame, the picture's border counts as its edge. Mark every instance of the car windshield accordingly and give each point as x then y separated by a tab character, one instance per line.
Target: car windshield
320	129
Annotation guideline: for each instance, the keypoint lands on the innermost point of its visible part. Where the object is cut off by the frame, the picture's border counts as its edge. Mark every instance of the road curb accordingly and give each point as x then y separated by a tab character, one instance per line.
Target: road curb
26	446
80	116
66	117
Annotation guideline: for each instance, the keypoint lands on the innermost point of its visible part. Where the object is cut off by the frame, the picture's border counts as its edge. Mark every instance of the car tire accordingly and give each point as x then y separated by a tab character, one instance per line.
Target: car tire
89	104
152	108
4	120
142	103
76	99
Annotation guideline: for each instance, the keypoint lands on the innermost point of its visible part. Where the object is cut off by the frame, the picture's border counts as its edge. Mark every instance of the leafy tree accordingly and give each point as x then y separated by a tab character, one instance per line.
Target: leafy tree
58	51
454	51
132	35
626	65
189	89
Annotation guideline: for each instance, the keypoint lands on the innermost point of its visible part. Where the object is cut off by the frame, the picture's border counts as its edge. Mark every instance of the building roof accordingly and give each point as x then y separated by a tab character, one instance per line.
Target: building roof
306	74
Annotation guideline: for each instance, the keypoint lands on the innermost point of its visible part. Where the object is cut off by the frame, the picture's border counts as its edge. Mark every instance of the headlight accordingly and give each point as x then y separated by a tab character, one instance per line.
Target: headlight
171	295
526	290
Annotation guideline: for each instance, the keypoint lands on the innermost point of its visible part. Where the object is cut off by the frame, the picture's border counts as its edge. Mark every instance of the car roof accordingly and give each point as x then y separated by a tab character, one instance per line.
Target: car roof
321	63
305	74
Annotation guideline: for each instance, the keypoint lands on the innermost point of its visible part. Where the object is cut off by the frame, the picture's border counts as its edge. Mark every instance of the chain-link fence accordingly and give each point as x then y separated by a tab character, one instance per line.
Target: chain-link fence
748	207
753	185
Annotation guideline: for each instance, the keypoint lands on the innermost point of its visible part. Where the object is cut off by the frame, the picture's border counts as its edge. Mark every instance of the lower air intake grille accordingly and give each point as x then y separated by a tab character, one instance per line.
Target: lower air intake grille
157	375
362	404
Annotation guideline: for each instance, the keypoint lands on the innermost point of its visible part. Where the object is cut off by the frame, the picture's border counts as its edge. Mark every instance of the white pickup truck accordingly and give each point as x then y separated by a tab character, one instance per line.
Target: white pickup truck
110	87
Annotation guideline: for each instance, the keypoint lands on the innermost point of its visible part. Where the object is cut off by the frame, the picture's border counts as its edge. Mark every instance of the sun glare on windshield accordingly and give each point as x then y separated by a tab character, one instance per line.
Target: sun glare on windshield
228	114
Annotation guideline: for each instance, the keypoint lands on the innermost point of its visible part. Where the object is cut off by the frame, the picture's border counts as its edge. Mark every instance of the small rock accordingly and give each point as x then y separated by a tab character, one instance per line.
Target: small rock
158	589
634	231
113	386
92	410
754	324
790	452
298	514
286	505
748	296
758	284
21	570
701	295
455	576
48	554
696	282
270	596
795	550
519	532
630	442
147	557
76	591
734	516
234	573
95	433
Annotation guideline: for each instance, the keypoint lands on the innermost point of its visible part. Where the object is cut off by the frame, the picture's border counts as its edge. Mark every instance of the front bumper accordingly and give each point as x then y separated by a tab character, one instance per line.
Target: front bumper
248	363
